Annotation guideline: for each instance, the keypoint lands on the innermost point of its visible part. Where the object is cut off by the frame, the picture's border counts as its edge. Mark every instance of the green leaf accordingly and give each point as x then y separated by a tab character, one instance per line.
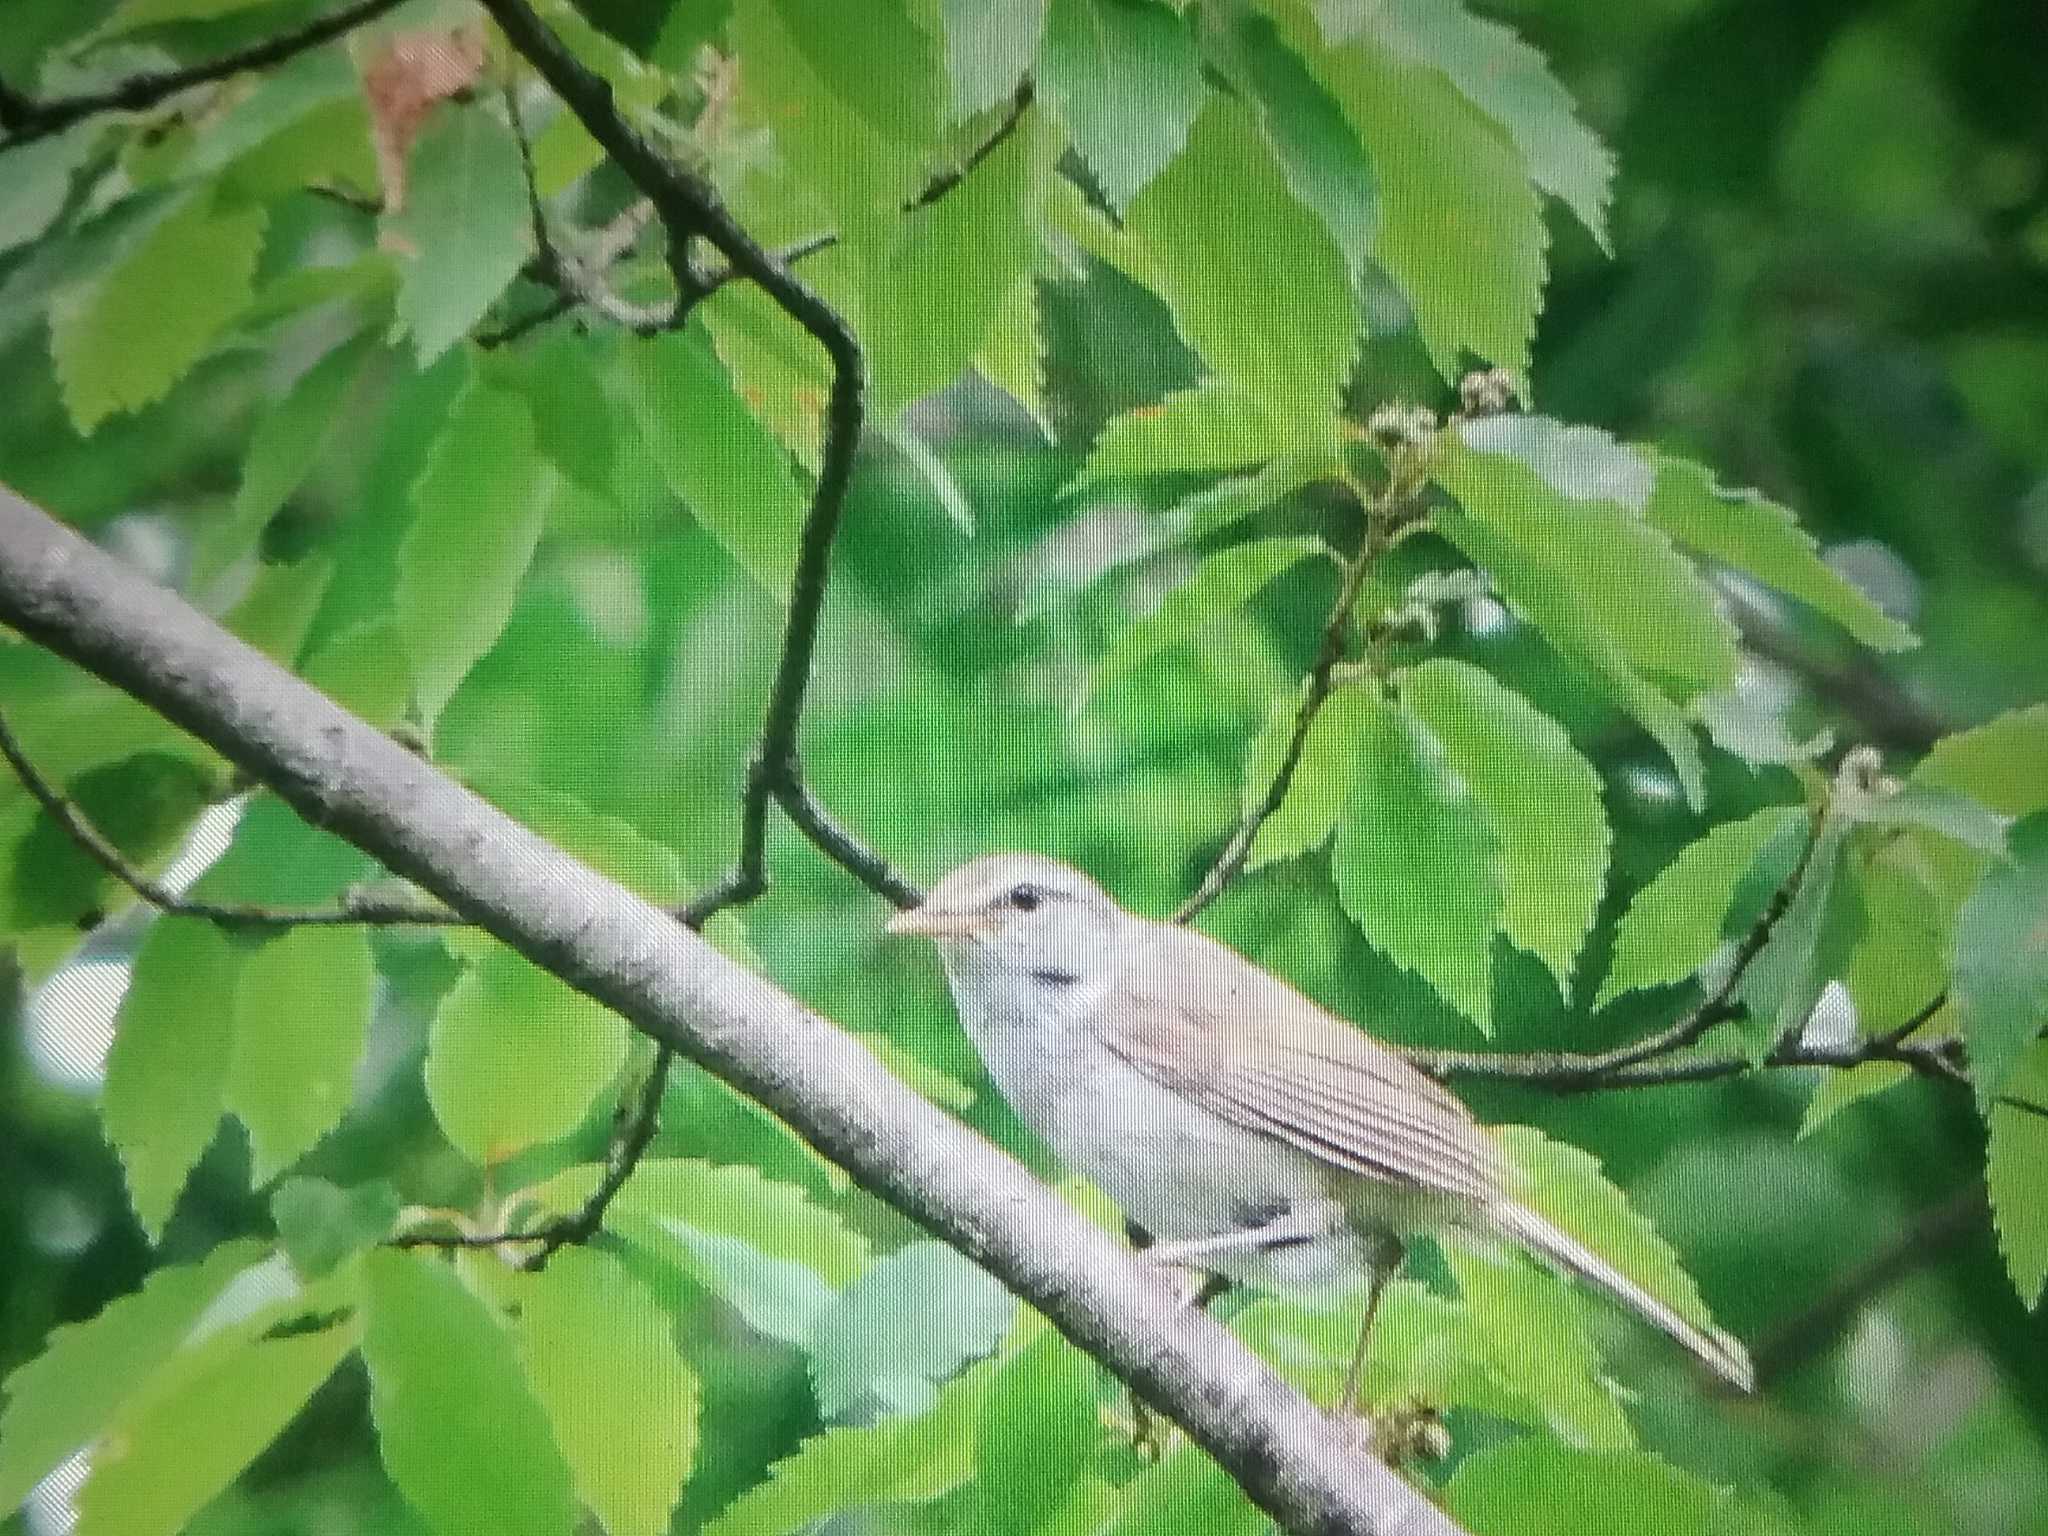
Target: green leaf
1512	1489
1576	463
121	340
1231	501
66	1396
600	1355
1038	1434
1416	864
1836	1091
466	229
1460	226
1320	156
896	1461
1540	796
167	1071
715	455
609	844
1284	330
1323	779
132	14
1947	813
35	180
1528	1335
1124	79
482	503
1809	947
1012	355
2016	1171
1209	427
1186	1491
301	1010
459	1431
989	46
320	1225
1511	83
186	1435
1998	763
1567	1187
1761	539
1674	924
1221	584
2000	986
912	1321
516	1057
764	1247
276	611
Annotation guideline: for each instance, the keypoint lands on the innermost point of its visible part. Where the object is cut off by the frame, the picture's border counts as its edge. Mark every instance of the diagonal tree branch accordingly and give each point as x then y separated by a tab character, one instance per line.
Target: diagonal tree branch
1300	1466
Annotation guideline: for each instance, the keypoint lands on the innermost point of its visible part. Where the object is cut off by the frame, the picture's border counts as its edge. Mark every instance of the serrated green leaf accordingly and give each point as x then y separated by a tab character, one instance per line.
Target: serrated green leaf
1124	79
600	1354
989	46
515	1058
1528	1333
120	341
1511	83
68	1394
1039	1431
1416	864
1997	764
1012	355
1748	533
1211	426
1579	463
482	503
184	1437
1323	778
1320	156
1512	1490
912	1321
897	1461
1674	924
774	367
734	477
1460	226
1836	1091
1186	1491
1947	813
167	1070
1221	584
466	229
458	1429
321	1225
35	180
301	1010
1540	796
1902	962
2000	986
1285	331
2016	1171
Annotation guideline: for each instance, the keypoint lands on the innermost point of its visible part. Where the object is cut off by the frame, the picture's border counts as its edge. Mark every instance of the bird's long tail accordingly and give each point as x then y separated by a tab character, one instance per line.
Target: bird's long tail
1721	1352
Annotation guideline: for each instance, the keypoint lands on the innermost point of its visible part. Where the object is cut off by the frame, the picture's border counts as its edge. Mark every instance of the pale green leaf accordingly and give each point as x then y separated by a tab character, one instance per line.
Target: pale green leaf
912	1321
277	610
1763	540
458	1429
121	340
1836	1091
1540	795
1416	864
895	1461
1039	1431
1460	226
466	229
1323	778
1012	355
2000	986
35	180
301	1010
1512	1489
1674	924
989	46
1578	463
481	505
1124	79
1221	584
1947	813
600	1355
1809	946
1283	330
167	1071
321	1225
1511	83
2016	1170
1208	427
68	1394
516	1057
734	477
778	370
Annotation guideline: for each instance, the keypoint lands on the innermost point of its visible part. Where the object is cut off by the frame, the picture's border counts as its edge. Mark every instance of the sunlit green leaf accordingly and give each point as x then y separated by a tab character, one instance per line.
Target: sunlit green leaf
2001	960
1185	1491
1209	427
1997	763
1946	812
1512	1490
466	230
1323	778
1528	1330
301	1010
1124	79
1041	1426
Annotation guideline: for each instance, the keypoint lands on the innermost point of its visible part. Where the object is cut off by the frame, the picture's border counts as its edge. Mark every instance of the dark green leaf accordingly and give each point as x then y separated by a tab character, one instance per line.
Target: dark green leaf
35	180
321	1224
1809	946
2000	982
466	230
2017	1171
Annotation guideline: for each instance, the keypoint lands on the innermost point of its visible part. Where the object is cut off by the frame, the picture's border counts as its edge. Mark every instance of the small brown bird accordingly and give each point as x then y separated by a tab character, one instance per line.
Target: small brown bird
1252	1134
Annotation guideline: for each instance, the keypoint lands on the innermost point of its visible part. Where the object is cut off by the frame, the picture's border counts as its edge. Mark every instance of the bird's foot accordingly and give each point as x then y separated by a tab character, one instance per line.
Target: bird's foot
1404	1433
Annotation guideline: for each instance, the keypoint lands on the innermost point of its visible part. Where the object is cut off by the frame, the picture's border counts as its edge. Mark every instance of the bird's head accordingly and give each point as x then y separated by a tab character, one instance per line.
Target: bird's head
1023	914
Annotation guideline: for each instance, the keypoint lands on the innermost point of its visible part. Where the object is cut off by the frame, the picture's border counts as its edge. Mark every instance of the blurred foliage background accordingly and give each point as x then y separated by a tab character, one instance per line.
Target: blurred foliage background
1829	280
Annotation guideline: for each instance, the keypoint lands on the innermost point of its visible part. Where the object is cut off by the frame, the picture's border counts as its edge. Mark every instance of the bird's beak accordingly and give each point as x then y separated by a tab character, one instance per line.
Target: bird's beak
929	923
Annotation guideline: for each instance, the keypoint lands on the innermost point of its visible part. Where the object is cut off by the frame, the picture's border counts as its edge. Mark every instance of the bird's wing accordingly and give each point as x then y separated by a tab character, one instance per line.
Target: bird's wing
1199	1018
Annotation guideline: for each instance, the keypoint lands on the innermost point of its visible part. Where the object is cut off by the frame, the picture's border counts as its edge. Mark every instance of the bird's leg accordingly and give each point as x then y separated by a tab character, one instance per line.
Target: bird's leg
1383	1258
1295	1224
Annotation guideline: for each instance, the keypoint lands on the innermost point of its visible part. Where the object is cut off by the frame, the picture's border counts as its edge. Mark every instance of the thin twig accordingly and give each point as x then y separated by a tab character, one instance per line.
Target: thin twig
353	908
26	120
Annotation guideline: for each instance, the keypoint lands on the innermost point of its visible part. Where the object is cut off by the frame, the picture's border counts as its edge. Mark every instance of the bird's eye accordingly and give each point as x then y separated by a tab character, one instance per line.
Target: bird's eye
1026	898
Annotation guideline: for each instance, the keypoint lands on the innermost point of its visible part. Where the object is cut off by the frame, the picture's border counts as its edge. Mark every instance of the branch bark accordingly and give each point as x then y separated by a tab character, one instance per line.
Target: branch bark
1305	1470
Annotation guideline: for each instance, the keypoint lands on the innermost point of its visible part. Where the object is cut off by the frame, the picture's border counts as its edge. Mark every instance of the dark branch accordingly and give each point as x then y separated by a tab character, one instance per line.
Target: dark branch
26	120
353	908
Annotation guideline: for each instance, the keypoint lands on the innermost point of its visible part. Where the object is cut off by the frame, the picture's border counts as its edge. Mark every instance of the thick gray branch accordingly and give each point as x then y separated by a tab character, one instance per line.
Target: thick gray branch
1308	1472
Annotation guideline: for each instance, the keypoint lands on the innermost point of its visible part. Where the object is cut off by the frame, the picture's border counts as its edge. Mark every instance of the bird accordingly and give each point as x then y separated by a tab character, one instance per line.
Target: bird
1246	1131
